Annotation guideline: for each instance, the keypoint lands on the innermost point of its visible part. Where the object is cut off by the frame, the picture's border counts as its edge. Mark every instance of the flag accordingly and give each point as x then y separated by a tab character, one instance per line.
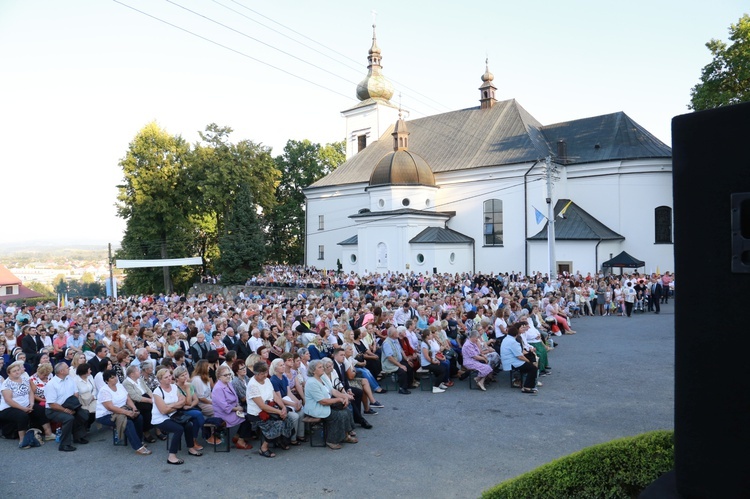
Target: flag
562	212
539	216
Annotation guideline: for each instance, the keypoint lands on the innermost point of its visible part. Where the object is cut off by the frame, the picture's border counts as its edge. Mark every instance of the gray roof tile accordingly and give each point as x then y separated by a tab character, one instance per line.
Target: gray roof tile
503	135
439	235
578	225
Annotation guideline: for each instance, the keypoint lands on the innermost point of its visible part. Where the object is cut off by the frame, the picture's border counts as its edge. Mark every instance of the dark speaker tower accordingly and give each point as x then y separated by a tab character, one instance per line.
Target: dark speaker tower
712	276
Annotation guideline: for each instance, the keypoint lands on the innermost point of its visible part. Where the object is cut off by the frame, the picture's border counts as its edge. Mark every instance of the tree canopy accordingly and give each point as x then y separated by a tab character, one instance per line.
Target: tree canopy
301	164
229	203
726	79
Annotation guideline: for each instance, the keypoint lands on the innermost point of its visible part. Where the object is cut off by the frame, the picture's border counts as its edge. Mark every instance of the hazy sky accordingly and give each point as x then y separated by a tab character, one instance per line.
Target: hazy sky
79	78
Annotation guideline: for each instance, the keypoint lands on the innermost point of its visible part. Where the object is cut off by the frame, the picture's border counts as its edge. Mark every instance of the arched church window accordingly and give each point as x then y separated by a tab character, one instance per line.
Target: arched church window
663	225
493	222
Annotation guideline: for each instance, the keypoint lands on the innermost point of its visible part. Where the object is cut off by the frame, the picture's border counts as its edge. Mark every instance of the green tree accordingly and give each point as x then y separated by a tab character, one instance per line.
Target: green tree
242	246
726	79
40	288
59	284
219	170
154	201
301	164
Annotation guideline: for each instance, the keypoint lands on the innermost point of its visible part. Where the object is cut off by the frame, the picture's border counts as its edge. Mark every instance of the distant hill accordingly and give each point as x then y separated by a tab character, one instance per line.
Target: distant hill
22	253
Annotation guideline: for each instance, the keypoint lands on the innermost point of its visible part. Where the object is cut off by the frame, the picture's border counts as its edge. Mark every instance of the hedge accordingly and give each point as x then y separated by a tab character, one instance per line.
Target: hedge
621	468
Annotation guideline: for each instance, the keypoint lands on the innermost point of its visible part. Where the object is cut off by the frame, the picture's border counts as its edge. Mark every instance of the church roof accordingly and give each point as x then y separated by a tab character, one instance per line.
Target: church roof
402	168
577	225
504	134
605	138
352	241
404	211
440	235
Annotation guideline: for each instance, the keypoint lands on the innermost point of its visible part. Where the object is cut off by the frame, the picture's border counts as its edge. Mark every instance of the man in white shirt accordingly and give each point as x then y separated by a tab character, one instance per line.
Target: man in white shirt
255	340
56	392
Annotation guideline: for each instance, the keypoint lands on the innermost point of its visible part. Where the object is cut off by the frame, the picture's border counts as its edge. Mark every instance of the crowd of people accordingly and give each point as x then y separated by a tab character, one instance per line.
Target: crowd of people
295	343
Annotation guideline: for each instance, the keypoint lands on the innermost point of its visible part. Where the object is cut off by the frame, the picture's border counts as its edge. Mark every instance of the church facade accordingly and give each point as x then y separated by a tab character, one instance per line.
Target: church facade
460	191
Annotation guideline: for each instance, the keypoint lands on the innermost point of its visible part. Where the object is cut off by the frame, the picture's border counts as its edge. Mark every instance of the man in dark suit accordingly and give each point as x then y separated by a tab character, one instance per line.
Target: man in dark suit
199	349
230	340
243	348
656	292
31	344
357	393
100	352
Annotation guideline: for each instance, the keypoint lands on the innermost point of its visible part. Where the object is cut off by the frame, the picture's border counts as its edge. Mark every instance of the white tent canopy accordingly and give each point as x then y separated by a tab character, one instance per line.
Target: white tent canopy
167	262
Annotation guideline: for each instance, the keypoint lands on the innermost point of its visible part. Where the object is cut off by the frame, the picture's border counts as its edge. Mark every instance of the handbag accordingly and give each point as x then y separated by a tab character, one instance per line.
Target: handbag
439	356
180	417
265	416
337	406
72	403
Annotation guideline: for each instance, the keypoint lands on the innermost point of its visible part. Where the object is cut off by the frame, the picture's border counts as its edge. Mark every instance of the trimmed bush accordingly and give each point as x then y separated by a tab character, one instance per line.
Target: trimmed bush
621	468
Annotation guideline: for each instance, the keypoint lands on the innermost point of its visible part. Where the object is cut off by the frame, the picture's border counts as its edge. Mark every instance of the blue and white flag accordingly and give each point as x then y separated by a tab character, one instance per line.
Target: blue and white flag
539	216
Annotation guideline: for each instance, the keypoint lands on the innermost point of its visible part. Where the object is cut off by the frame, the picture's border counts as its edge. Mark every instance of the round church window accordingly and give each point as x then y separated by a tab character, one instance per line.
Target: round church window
405	202
420	258
381	203
353	258
452	258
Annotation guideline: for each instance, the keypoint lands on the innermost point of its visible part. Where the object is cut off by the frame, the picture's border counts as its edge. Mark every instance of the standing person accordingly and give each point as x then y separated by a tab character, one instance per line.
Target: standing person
656	294
665	280
629	294
73	421
512	356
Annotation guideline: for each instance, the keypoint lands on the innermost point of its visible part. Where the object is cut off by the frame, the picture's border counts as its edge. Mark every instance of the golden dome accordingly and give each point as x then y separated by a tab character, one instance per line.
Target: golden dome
402	167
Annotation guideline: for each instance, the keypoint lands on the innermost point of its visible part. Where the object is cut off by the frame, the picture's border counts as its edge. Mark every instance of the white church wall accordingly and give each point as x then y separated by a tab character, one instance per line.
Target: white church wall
335	205
624	199
384	243
398	197
371	121
466	195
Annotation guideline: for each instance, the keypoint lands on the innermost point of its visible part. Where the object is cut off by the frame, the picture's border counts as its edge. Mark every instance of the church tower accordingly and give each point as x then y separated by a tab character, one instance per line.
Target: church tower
368	120
487	90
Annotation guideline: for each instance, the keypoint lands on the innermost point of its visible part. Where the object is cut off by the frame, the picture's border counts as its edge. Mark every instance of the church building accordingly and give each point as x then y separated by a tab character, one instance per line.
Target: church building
460	191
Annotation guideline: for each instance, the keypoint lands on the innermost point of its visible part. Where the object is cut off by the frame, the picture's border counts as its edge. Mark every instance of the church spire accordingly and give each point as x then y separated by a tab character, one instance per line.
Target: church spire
400	134
487	90
375	85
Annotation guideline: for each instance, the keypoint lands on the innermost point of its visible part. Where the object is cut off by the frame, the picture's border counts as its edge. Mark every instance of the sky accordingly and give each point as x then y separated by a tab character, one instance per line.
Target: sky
80	78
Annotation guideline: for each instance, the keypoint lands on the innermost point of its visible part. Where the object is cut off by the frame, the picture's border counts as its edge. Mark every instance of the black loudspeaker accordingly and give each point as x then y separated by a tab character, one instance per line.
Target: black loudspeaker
711	167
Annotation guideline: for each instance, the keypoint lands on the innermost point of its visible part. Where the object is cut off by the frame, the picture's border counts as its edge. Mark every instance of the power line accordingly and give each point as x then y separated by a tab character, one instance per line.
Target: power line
334	51
230	49
435	118
257	40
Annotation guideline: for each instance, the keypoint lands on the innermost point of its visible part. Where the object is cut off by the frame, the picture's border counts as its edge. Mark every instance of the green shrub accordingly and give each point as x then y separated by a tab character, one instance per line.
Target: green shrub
620	468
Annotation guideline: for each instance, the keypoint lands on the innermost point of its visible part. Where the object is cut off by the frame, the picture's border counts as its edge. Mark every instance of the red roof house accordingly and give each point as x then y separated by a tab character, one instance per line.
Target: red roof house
11	287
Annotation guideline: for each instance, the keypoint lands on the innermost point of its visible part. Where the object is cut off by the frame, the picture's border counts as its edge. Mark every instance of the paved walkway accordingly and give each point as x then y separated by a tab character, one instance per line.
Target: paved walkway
614	378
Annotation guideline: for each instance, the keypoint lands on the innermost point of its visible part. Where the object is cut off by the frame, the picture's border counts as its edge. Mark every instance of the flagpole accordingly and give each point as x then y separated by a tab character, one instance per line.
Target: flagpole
551	263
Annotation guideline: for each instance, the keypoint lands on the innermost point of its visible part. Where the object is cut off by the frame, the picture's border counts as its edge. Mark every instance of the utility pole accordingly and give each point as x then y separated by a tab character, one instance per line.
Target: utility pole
111	274
552	264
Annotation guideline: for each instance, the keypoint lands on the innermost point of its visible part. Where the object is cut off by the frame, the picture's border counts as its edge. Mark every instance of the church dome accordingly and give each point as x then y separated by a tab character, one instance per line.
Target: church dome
375	85
402	167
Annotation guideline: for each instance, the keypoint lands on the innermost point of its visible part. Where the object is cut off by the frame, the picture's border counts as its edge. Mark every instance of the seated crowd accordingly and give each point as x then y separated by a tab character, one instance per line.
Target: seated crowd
295	344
